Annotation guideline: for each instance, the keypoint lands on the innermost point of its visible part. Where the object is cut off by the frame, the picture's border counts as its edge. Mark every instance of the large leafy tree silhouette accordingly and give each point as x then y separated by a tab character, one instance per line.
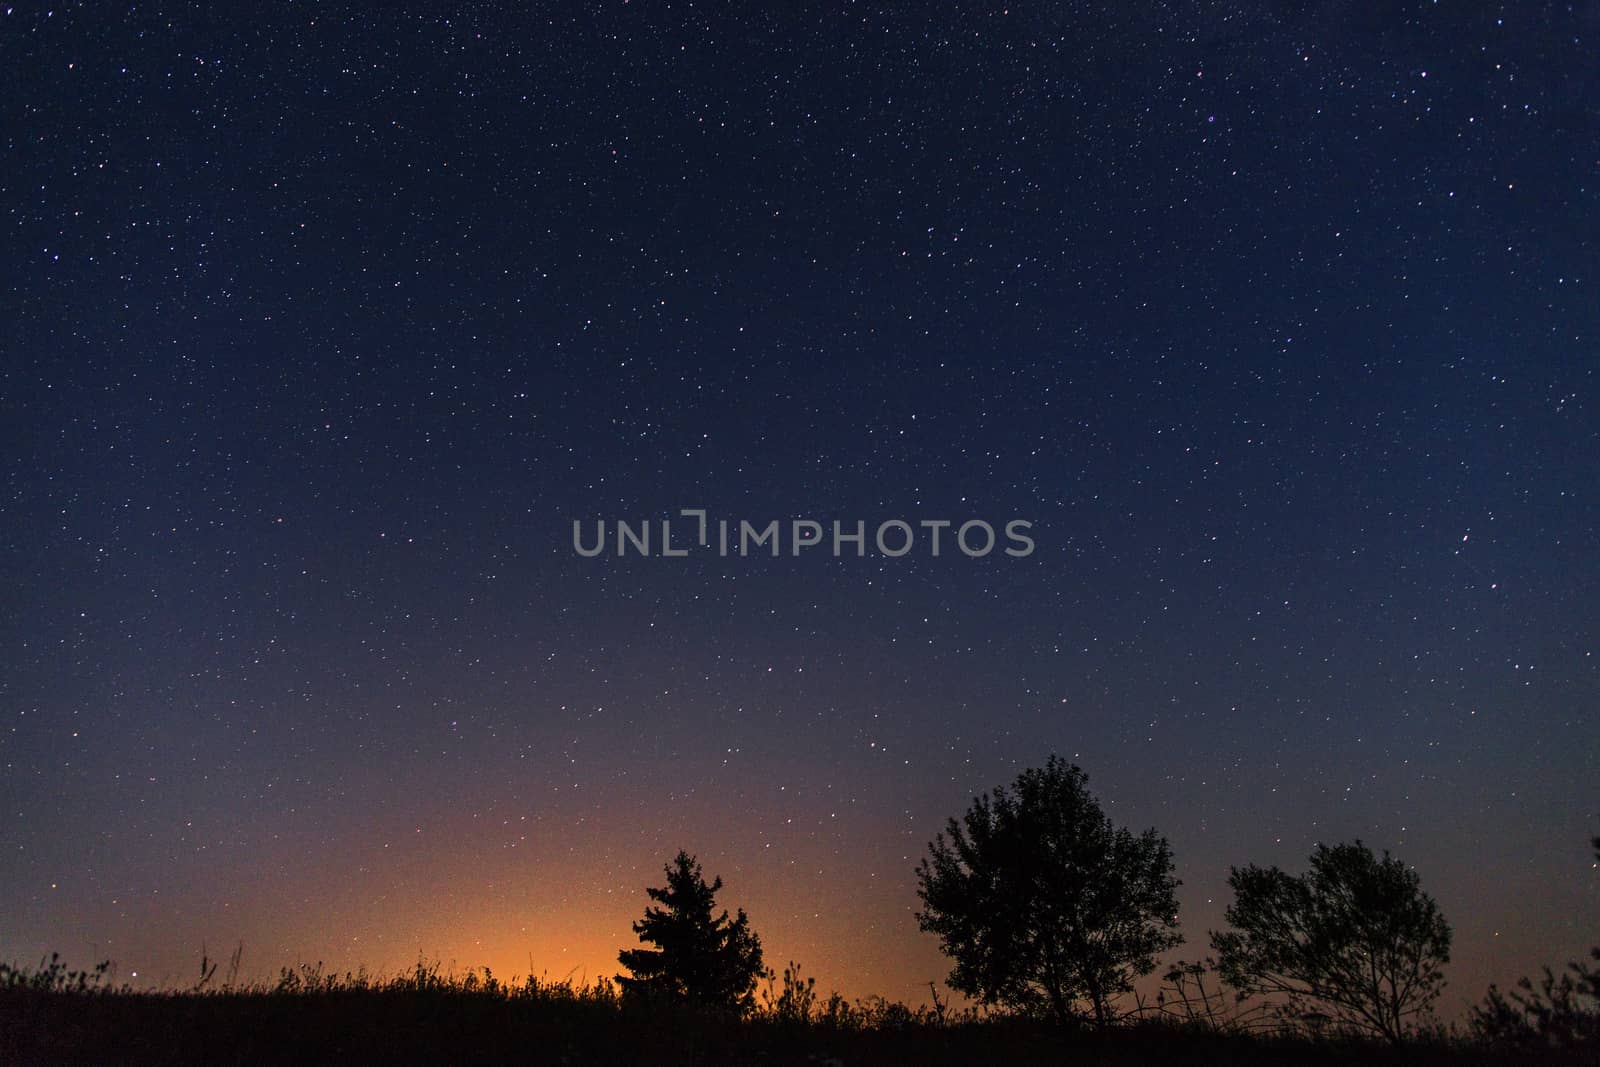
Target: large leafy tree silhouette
1044	905
703	958
1354	939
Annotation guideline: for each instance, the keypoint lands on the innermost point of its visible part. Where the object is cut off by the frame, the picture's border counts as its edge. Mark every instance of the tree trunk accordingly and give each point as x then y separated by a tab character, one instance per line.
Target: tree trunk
1099	1002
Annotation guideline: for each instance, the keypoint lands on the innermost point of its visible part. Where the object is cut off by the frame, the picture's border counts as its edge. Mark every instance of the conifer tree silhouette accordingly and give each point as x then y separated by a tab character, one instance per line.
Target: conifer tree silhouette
705	959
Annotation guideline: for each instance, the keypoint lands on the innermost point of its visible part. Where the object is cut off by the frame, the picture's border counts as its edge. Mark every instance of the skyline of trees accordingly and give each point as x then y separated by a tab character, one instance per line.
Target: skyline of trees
1034	886
1048	910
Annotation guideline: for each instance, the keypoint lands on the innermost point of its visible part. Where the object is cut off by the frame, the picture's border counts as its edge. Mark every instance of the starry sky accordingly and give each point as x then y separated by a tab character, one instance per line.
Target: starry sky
320	327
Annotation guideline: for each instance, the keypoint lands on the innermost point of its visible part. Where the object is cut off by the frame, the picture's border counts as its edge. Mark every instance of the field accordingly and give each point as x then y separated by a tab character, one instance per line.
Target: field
425	1017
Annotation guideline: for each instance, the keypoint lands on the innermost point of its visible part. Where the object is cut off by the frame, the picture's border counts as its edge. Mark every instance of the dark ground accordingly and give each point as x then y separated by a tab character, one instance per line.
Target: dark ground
424	1027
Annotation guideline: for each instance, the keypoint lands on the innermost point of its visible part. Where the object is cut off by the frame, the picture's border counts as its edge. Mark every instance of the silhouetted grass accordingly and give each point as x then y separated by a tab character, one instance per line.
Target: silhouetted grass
54	1016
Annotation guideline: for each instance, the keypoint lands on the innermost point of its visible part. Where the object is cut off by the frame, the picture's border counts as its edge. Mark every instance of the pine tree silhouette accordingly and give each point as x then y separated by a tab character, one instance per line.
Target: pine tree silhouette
708	960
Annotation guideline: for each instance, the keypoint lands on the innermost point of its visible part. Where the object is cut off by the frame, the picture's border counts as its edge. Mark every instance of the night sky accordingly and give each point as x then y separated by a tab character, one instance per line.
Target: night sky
320	327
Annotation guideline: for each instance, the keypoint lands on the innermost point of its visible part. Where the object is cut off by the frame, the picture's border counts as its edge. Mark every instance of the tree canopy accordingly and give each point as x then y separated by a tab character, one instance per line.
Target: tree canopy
1354	938
1042	903
702	958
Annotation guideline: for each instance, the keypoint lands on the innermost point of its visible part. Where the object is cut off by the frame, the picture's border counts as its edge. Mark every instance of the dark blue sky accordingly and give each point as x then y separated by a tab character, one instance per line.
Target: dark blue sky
321	327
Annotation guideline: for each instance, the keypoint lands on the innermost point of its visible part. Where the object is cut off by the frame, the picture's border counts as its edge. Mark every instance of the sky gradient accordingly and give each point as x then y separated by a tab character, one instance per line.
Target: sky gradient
319	329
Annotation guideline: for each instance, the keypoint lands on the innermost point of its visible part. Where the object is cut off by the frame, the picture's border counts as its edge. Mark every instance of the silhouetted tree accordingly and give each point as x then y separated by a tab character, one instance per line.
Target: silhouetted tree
709	960
1042	903
1354	939
1563	1011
